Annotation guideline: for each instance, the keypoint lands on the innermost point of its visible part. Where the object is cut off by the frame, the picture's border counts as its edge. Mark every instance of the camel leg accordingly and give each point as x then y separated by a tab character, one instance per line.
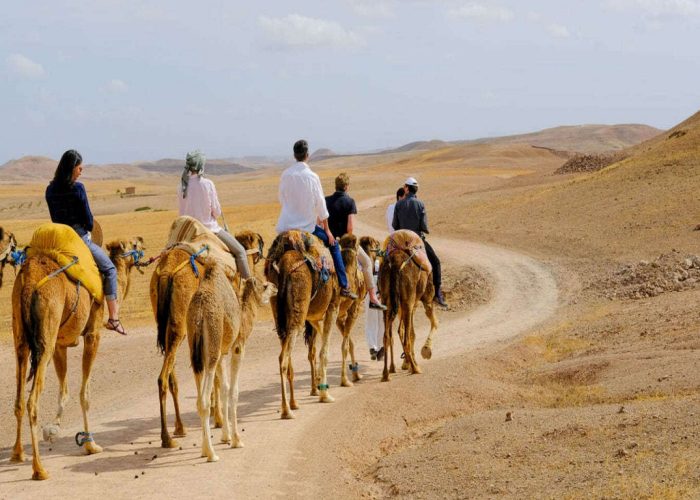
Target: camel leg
22	364
392	368
205	385
39	473
172	385
222	374
409	335
60	362
216	403
324	396
427	351
312	364
163	385
352	317
284	361
91	343
236	359
290	374
344	347
387	341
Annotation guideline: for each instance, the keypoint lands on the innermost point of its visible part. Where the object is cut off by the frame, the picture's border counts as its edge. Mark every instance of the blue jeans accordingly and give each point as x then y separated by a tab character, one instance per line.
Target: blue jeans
337	257
106	267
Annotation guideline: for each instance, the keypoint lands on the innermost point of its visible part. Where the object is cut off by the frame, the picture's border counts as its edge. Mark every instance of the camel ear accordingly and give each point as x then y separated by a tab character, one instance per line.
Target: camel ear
138	241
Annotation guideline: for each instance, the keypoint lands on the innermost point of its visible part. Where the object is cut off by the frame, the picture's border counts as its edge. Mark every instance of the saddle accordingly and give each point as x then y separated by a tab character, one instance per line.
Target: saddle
316	255
411	244
190	235
62	244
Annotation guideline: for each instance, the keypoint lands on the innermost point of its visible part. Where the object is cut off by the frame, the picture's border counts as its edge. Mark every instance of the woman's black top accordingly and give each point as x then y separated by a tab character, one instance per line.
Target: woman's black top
69	205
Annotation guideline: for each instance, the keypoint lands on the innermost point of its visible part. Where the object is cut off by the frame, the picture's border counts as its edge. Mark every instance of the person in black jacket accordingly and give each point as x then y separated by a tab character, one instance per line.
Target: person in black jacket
68	204
410	214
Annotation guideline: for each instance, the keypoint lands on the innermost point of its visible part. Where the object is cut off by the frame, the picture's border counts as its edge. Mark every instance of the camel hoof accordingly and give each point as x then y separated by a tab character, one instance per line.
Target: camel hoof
169	443
287	415
92	448
404	365
356	377
17	458
293	405
217	425
326	398
346	383
180	432
40	475
225	440
50	432
237	443
392	369
385	377
314	392
426	352
416	370
213	458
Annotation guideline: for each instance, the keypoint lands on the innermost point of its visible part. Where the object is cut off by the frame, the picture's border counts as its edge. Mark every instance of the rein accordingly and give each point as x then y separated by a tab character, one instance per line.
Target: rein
46	278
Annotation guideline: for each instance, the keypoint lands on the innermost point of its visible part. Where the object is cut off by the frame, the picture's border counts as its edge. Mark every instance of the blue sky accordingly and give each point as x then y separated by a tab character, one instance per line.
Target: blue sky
126	80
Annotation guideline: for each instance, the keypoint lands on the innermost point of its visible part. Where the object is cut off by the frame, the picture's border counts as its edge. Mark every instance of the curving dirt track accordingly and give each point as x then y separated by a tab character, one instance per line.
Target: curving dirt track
125	408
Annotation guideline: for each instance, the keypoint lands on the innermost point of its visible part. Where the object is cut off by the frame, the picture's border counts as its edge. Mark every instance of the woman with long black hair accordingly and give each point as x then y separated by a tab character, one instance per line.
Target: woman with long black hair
68	204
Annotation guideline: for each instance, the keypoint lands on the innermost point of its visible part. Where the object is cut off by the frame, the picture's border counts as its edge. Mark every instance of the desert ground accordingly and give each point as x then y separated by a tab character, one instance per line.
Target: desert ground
567	365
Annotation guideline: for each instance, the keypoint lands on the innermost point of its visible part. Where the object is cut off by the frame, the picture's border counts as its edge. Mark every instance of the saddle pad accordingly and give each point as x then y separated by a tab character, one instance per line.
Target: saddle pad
303	242
410	243
61	243
189	232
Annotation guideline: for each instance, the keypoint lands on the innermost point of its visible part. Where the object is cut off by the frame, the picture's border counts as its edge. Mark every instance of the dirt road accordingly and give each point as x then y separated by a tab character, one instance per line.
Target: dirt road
125	410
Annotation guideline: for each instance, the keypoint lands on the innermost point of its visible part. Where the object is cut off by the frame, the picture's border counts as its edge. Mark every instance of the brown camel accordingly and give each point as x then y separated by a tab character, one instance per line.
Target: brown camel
172	285
46	320
404	281
216	322
349	309
304	301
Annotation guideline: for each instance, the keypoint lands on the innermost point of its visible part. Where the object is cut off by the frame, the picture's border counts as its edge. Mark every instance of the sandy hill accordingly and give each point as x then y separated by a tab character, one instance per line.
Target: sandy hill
421	145
322	154
636	207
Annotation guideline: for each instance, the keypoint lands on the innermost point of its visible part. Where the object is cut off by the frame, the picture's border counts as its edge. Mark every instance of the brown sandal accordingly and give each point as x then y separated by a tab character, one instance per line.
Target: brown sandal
115	325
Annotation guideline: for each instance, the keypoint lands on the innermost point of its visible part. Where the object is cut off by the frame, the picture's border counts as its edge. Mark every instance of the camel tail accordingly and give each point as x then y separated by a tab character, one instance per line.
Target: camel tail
282	293
165	291
197	356
31	319
308	333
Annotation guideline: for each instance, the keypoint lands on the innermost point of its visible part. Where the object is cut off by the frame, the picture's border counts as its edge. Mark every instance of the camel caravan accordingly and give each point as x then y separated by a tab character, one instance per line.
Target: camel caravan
203	287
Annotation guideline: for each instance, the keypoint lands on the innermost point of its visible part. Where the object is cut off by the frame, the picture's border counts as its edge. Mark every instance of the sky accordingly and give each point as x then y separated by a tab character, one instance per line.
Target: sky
128	80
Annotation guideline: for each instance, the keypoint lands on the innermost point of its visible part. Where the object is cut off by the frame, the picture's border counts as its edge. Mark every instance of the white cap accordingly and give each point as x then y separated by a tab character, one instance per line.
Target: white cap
411	182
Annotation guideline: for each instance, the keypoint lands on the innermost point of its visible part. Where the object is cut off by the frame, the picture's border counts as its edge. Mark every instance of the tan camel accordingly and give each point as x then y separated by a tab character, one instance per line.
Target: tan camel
217	322
349	309
404	281
172	285
8	244
46	321
304	301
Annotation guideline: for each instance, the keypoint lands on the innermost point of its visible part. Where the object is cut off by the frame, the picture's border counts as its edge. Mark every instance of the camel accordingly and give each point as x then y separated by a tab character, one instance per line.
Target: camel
8	244
349	309
216	324
49	315
172	285
304	301
404	281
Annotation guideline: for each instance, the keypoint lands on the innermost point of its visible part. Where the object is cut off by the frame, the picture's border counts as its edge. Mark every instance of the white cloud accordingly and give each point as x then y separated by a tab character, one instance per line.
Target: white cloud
659	8
25	67
482	13
375	9
295	30
116	86
558	30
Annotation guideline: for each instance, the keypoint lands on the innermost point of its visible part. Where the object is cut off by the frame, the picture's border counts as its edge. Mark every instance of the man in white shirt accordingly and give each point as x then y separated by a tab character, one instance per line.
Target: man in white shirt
390	210
303	205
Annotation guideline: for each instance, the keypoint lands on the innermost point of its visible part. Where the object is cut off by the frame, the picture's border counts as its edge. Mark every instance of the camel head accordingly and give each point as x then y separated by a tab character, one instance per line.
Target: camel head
253	243
348	241
371	246
254	288
8	244
129	251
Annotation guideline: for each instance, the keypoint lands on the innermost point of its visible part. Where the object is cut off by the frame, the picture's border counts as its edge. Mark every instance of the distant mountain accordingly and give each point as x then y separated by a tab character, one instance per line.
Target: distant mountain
322	154
213	167
577	138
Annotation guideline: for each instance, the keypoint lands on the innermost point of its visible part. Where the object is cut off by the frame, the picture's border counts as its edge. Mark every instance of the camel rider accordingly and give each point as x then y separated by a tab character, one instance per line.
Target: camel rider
198	199
409	213
341	221
68	204
303	204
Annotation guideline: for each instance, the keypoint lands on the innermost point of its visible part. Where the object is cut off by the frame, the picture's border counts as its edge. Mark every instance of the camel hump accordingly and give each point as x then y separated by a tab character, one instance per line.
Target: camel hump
62	244
410	243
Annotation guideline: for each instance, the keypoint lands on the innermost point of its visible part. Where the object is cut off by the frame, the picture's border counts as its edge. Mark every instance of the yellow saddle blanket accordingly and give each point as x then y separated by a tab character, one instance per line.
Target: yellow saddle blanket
191	235
410	243
61	243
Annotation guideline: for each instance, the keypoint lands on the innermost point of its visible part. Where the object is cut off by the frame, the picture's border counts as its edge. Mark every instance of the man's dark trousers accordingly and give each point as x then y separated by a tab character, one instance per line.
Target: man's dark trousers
435	262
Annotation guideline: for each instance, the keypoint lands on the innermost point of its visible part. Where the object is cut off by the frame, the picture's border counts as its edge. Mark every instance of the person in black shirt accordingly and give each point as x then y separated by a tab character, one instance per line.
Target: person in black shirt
68	204
341	218
410	214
